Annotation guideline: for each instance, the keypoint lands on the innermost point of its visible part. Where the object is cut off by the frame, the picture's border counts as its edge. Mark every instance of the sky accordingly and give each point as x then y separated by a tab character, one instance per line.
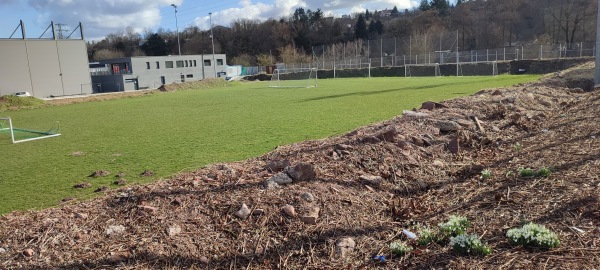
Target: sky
102	17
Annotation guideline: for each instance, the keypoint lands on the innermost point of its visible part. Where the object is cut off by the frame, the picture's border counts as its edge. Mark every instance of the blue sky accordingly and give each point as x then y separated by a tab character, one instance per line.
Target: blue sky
102	17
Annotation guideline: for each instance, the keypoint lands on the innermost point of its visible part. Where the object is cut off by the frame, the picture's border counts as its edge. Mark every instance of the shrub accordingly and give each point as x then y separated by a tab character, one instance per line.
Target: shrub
467	244
456	225
533	235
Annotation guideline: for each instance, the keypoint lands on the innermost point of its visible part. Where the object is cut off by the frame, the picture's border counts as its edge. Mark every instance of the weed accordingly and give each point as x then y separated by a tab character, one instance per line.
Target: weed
399	248
533	235
486	174
467	244
455	225
528	172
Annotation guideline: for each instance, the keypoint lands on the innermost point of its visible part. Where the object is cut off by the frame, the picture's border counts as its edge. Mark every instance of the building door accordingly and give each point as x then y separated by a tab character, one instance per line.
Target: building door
182	78
162	80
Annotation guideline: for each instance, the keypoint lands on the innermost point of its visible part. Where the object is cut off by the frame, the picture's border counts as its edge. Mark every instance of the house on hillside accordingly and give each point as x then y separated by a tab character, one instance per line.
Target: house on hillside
150	72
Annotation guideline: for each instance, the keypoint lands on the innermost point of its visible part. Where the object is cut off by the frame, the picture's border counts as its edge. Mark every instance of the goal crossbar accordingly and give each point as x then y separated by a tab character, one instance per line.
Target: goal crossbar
30	135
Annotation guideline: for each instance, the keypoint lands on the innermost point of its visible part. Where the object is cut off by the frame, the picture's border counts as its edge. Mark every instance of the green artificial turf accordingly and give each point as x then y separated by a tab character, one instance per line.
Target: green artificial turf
180	131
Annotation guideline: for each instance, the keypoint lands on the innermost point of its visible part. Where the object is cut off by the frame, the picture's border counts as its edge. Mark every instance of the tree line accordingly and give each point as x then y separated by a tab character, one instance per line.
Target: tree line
480	24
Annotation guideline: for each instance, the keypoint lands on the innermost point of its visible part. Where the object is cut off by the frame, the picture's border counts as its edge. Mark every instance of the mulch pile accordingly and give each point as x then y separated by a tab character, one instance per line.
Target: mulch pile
370	184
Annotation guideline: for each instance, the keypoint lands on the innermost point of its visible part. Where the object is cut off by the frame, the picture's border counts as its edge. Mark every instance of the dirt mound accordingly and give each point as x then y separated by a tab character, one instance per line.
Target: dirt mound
368	185
10	102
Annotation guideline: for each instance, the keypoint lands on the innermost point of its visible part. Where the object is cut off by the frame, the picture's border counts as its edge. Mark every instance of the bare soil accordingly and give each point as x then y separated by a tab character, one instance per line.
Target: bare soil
189	221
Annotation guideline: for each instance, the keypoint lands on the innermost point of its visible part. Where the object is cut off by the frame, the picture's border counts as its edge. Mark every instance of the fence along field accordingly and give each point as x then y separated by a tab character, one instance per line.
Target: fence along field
178	131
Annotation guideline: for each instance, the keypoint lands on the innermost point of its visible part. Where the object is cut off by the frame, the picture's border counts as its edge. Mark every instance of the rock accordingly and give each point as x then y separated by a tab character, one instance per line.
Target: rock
114	230
270	184
117	257
121	182
343	147
430	105
311	216
289	210
301	172
389	135
176	202
403	144
81	215
2	250
344	246
277	165
28	252
447	125
204	260
453	146
258	212
307	197
83	185
371	179
497	93
147	173
174	230
465	123
370	139
102	189
416	115
243	213
99	174
281	178
417	141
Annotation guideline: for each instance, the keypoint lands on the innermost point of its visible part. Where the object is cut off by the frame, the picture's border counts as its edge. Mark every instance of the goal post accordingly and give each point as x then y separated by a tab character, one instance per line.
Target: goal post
19	135
294	78
422	70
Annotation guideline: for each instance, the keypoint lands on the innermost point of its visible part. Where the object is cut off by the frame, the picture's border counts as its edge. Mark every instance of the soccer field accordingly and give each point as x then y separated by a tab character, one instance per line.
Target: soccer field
180	131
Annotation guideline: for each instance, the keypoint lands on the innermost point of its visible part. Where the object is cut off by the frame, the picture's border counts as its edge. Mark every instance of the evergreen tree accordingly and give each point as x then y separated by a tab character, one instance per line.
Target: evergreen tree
424	6
360	29
367	15
440	5
395	11
155	46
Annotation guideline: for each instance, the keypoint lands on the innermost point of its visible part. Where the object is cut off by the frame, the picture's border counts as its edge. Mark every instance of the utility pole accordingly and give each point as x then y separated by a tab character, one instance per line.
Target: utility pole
597	77
60	30
177	27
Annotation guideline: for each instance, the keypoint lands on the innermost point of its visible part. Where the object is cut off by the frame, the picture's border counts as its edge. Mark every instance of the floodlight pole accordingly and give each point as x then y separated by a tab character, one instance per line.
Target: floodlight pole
212	40
177	27
597	77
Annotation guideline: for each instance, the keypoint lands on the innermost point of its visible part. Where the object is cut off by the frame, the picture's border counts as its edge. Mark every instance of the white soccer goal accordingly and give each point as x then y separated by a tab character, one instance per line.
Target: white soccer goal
294	78
422	70
18	135
477	69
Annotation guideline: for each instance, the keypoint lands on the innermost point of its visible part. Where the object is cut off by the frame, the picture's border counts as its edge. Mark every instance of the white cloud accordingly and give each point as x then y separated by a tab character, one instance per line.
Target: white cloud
101	17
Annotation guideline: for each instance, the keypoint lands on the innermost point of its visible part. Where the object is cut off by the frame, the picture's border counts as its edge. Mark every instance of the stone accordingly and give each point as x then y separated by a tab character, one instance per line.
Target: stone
81	215
121	182
311	216
243	213
371	179
301	172
388	135
147	208
430	105
147	173
403	144
277	165
454	146
344	246
28	252
83	185
307	197
343	147
447	125
114	230
370	139
465	123
497	93
2	250
102	189
289	210
258	212
204	260
415	115
281	178
117	257
417	141
270	184
174	230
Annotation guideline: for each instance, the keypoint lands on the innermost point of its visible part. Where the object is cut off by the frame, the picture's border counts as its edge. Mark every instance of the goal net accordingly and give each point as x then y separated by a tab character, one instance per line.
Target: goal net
18	135
294	78
477	69
424	70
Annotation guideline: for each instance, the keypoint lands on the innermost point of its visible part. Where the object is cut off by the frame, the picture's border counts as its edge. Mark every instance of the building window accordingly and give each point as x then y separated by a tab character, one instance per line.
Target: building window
186	63
194	62
147	65
179	63
207	63
157	65
219	62
169	64
189	76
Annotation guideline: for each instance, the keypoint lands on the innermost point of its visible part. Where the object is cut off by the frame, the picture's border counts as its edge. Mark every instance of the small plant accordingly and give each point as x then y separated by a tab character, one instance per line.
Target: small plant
426	236
533	235
543	172
467	244
528	172
399	248
456	225
518	146
486	174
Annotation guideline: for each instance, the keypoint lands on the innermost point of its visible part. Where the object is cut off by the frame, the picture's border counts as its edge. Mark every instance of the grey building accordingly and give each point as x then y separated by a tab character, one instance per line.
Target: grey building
150	72
44	67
